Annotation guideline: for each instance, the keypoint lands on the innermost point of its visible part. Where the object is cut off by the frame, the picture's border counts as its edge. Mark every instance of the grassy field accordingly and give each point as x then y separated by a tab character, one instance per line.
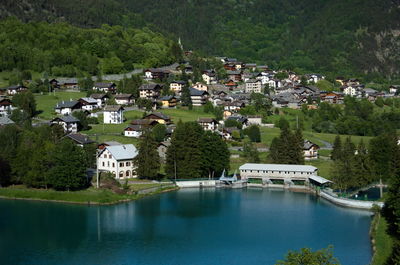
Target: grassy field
186	115
91	195
267	134
383	242
324	167
46	103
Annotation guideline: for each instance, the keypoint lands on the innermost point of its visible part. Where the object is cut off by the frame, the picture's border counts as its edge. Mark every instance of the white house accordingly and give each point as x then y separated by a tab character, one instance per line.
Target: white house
67	107
149	91
69	123
124	99
198	97
105	87
88	103
133	131
118	160
210	77
208	124
200	86
5	107
100	98
177	86
253	86
113	114
310	150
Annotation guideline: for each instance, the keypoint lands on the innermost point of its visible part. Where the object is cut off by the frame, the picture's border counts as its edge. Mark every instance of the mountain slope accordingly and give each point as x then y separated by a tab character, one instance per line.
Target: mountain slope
343	37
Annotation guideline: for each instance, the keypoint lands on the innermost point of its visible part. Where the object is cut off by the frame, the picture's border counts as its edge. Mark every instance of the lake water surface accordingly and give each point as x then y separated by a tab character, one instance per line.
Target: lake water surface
189	226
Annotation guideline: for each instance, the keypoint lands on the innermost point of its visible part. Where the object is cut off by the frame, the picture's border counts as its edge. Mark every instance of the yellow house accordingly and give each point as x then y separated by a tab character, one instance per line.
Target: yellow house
168	102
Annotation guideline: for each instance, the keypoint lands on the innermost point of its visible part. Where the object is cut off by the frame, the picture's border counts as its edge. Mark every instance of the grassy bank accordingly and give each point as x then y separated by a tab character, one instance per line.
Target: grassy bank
381	241
91	195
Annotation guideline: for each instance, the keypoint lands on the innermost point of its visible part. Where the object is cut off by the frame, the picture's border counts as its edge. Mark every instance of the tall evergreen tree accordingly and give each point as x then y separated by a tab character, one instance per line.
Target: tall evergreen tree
147	161
184	155
337	148
214	154
251	153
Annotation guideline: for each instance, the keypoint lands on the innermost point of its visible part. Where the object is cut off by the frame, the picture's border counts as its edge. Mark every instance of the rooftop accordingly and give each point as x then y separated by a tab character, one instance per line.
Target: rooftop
122	152
278	167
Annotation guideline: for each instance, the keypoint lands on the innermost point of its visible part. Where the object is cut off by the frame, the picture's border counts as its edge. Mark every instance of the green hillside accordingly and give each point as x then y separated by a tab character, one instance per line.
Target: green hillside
337	37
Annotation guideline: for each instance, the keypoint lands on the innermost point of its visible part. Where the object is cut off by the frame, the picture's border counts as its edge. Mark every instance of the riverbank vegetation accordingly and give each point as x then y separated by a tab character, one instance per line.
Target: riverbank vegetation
87	196
382	243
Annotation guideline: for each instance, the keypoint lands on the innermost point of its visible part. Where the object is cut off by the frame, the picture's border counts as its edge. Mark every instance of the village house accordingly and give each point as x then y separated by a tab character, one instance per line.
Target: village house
235	75
105	87
242	120
310	150
208	124
200	86
150	91
113	114
54	83
156	73
118	160
253	86
134	131
254	120
198	97
394	89
177	86
230	66
13	90
68	122
314	78
263	77
209	77
88	104
168	102
332	97
274	83
353	91
124	99
162	150
233	106
5	106
227	133
69	83
100	98
250	66
67	107
231	85
80	139
158	117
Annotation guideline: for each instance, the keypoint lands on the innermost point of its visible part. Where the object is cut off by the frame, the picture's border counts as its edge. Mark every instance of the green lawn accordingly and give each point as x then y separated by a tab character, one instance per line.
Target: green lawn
91	195
267	134
46	103
383	242
186	115
324	167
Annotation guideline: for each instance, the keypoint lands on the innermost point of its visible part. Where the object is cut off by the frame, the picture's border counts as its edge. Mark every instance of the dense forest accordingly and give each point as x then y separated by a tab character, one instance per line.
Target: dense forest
337	37
61	49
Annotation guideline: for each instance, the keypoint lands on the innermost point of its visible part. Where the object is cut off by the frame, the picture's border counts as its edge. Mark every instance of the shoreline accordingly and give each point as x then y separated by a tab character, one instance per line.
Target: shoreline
94	203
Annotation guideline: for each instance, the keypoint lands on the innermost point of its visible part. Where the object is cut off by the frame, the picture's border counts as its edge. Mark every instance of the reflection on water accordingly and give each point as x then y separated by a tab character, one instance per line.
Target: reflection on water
185	227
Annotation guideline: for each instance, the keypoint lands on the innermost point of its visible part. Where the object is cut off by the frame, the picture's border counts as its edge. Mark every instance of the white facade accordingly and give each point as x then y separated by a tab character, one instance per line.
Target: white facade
148	75
253	86
113	116
64	111
176	87
135	134
350	91
269	172
118	160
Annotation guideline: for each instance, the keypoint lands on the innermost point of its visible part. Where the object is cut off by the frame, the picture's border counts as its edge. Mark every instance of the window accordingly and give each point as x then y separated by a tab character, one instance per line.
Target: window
121	164
109	156
113	164
127	173
104	164
128	164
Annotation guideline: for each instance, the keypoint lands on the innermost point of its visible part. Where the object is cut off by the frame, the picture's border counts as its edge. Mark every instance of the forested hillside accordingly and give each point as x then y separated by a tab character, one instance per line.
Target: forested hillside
338	37
64	50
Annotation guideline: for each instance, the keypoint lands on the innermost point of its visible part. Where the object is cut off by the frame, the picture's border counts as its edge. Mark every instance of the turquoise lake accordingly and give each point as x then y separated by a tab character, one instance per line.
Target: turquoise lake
191	226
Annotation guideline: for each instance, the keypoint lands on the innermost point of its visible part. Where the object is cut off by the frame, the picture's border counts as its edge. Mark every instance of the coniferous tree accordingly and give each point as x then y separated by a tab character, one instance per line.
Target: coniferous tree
159	132
362	169
147	161
214	154
184	154
251	153
254	133
5	172
337	148
185	98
